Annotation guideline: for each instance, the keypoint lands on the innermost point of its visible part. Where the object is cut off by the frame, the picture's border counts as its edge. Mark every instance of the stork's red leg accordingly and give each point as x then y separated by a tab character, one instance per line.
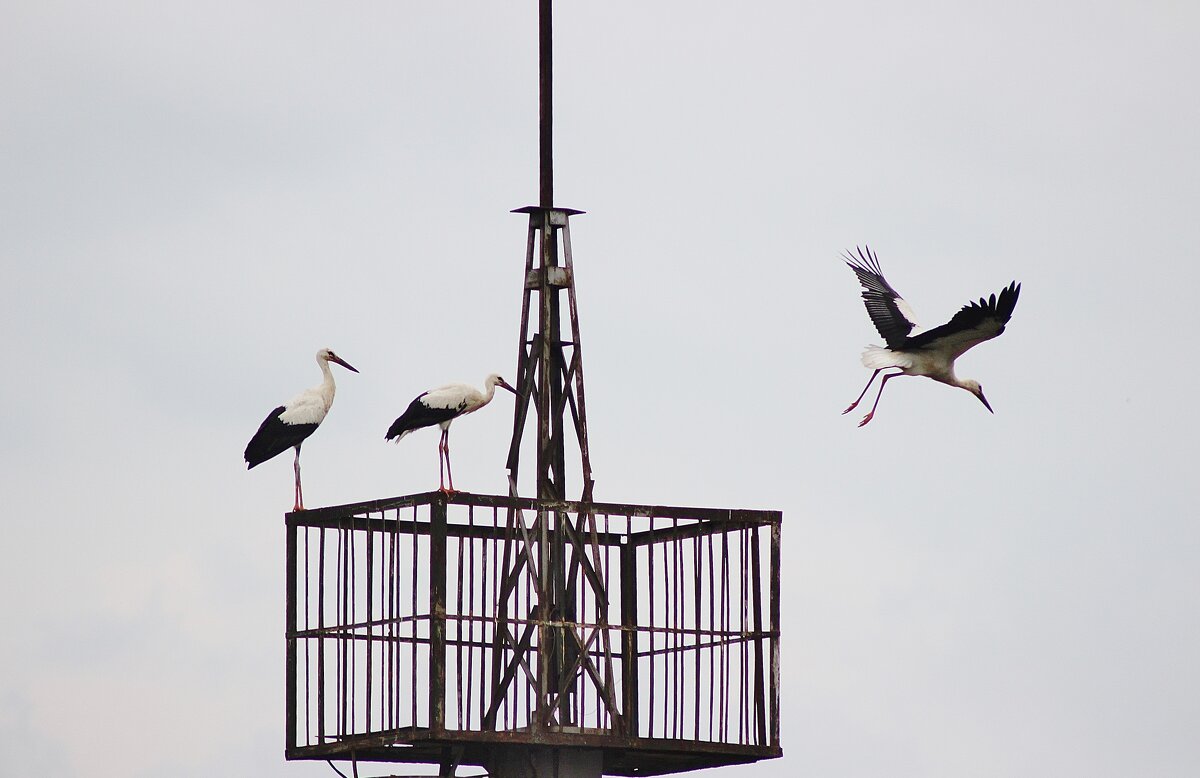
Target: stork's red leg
854	404
882	384
299	506
441	465
449	471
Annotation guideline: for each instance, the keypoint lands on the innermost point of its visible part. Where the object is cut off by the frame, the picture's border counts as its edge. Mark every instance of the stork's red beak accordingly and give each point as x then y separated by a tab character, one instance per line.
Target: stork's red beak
504	383
983	400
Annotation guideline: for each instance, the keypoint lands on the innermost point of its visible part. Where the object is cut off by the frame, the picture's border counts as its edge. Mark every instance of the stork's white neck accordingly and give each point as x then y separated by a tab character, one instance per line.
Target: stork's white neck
327	388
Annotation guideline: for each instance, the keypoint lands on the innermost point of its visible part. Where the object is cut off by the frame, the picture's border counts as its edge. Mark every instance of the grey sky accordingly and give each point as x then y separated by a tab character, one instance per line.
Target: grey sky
196	198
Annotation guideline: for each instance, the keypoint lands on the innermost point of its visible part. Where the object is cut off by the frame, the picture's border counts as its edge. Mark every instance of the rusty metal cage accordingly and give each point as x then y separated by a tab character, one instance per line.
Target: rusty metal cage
415	632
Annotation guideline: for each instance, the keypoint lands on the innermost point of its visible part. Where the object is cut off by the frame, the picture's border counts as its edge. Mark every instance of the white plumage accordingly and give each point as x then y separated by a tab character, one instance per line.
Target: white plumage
929	353
289	425
441	406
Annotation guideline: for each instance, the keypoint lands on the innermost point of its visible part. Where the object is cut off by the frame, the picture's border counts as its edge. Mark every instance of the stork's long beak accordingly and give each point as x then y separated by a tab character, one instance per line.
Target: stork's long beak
983	400
504	384
342	362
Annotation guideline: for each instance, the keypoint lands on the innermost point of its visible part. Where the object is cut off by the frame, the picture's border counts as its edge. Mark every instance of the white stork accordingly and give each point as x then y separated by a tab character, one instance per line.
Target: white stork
929	353
441	406
289	425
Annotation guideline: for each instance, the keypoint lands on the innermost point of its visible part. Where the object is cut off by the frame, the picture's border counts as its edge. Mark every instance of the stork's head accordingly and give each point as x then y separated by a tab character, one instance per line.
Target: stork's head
495	380
974	388
327	355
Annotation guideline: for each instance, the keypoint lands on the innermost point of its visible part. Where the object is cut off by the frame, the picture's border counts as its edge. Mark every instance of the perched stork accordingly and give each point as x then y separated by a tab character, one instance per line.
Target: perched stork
289	425
441	406
929	353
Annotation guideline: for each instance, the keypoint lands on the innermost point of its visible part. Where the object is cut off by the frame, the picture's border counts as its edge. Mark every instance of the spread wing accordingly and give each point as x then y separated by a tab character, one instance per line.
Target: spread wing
891	314
975	323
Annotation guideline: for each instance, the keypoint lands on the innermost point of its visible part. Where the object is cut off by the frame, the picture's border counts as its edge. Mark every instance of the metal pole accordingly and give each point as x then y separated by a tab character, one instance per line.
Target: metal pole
546	104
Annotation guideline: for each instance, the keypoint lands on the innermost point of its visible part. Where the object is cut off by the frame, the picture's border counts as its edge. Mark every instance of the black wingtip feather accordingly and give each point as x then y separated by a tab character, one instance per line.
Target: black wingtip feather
879	297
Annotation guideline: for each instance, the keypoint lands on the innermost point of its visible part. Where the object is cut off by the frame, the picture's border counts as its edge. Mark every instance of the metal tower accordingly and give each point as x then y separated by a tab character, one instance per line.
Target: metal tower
535	635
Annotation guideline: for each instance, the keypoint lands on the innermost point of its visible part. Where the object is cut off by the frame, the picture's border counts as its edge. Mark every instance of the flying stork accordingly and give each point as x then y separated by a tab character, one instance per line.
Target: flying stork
289	425
441	406
929	353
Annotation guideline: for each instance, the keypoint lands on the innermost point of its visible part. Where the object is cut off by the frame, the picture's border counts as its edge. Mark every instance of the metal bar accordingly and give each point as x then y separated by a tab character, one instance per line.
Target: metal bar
327	517
712	623
465	710
393	674
697	594
437	621
516	663
412	667
370	612
501	626
352	655
546	102
650	635
422	736
321	643
775	532
760	707
458	655
603	613
743	657
673	619
347	631
307	651
723	660
340	646
290	623
685	531
523	376
581	426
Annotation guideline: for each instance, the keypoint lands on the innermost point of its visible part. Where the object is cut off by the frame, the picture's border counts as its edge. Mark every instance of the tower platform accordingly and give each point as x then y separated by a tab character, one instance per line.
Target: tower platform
429	628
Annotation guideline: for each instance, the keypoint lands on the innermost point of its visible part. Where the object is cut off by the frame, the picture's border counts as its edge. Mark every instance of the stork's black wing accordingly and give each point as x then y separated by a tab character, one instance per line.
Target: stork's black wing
418	415
975	323
275	436
887	309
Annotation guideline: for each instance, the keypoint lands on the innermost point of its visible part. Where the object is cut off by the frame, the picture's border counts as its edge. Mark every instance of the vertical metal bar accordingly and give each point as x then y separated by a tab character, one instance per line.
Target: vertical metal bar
525	361
393	630
697	586
760	708
676	634
351	646
470	650
500	620
546	102
775	530
289	620
723	662
650	623
668	694
712	626
414	547
340	641
370	561
531	693
545	641
608	660
629	635
581	427
743	647
437	616
321	637
547	374
459	623
308	704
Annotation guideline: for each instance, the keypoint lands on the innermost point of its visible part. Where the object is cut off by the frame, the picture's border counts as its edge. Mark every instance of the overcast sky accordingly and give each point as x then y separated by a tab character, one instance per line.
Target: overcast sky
195	197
